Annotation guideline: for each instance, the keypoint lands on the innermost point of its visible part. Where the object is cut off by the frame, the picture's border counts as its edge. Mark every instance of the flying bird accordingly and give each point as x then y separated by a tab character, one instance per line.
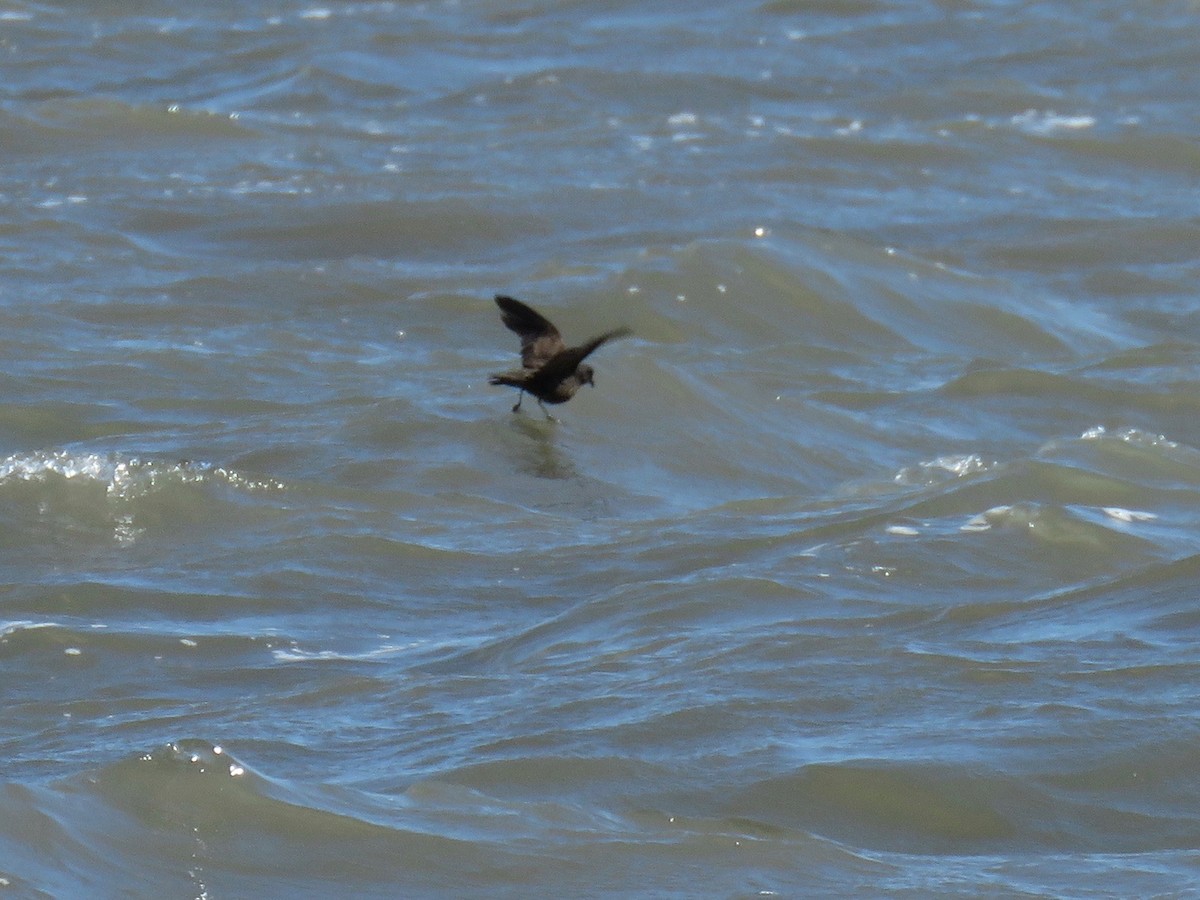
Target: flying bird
550	370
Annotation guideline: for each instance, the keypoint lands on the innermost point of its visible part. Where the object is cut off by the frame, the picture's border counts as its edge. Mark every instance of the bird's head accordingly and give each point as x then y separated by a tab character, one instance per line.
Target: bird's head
585	374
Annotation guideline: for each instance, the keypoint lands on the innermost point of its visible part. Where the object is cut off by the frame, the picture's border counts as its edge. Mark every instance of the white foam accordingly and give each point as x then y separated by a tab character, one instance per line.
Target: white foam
1130	436
1129	515
124	481
294	654
120	476
36	466
7	628
983	521
1037	121
958	466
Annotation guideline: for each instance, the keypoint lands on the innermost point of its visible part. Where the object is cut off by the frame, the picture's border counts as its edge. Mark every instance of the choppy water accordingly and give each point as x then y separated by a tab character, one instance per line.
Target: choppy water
868	569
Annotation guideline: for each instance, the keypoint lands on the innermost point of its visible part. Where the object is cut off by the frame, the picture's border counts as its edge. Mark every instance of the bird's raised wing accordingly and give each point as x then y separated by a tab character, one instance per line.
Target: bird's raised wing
567	361
540	340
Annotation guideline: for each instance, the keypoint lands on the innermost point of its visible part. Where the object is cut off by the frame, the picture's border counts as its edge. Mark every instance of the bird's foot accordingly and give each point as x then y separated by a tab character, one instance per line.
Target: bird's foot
549	418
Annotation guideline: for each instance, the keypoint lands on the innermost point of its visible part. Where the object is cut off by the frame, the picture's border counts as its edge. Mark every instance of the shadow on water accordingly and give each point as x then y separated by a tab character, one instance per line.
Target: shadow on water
536	454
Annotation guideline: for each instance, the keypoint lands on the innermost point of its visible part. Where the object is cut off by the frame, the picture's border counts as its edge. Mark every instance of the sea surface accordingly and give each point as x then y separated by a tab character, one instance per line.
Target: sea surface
869	568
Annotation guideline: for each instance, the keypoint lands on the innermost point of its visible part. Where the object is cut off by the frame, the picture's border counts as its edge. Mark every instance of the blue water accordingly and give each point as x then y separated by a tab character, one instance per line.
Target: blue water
866	568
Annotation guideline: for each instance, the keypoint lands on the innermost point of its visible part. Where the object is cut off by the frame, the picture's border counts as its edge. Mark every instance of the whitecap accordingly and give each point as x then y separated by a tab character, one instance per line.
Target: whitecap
124	482
295	654
1045	122
985	520
954	466
7	628
1128	515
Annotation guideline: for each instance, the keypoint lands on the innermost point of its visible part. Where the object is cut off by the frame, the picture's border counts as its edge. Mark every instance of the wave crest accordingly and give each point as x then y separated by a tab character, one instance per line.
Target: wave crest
111	493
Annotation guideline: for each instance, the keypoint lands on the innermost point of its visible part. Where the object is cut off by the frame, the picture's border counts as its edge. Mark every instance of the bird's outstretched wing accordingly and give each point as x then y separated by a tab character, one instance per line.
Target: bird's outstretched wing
540	340
565	362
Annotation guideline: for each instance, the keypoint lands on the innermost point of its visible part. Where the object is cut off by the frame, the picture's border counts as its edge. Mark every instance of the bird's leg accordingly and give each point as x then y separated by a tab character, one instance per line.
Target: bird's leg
546	411
520	397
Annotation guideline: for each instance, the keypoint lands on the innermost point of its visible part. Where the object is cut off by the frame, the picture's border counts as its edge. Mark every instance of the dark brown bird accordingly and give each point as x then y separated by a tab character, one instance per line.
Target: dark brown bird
551	371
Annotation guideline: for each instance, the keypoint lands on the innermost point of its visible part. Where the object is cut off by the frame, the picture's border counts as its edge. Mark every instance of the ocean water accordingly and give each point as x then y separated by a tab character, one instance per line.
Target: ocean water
868	569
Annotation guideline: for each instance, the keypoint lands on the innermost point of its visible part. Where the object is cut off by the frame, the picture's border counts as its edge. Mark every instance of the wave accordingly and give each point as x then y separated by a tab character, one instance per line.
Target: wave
927	807
190	818
65	494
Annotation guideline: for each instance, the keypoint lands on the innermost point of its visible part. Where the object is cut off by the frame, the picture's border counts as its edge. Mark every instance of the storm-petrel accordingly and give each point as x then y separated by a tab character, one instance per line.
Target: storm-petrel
551	370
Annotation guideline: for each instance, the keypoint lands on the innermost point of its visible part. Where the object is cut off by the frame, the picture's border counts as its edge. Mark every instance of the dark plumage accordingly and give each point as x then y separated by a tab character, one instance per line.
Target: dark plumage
551	370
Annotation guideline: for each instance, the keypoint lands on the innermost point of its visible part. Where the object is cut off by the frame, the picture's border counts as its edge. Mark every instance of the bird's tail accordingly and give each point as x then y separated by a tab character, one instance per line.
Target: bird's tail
509	380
